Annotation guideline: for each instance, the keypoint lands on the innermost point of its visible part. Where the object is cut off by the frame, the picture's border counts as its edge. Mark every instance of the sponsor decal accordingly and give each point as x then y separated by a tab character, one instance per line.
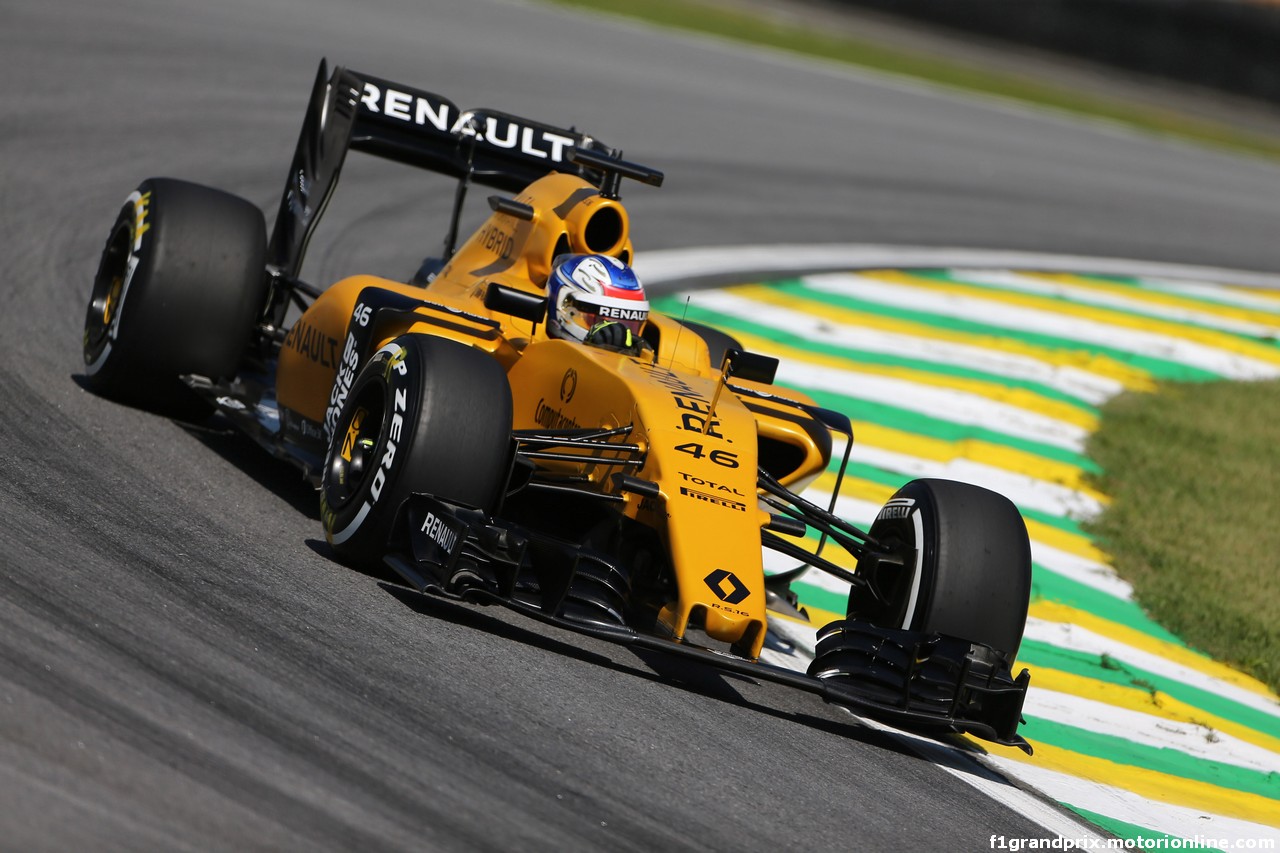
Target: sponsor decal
621	313
353	433
439	531
549	418
341	385
727	587
141	207
419	108
896	508
401	403
568	385
296	425
313	344
718	500
698	481
498	241
696	406
395	363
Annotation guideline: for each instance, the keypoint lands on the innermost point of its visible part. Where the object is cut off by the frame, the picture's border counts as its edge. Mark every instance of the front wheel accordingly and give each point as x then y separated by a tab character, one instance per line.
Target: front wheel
967	568
425	414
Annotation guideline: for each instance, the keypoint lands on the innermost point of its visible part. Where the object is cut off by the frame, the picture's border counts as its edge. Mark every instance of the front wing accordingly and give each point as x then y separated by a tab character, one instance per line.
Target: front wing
930	683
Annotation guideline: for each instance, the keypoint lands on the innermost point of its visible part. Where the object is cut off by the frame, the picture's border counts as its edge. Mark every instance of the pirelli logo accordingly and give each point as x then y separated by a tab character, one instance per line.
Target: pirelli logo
713	499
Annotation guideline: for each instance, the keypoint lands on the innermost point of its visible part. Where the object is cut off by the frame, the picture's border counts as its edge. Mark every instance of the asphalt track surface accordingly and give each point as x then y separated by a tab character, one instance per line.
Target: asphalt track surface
183	667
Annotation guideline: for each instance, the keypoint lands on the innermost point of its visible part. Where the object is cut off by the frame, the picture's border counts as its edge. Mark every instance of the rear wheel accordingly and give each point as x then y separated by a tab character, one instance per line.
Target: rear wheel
179	287
968	565
425	414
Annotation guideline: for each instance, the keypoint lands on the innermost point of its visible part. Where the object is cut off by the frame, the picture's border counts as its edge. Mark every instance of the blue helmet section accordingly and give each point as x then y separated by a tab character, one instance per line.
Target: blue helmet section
586	290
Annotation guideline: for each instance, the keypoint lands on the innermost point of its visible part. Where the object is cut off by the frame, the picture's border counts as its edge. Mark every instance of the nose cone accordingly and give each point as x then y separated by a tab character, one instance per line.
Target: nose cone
744	633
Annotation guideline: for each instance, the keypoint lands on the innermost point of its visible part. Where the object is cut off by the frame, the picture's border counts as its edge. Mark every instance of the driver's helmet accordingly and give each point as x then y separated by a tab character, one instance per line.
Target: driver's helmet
589	291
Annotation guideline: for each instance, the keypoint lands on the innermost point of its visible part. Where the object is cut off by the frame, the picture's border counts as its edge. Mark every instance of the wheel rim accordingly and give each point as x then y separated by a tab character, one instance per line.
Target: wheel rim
353	460
108	290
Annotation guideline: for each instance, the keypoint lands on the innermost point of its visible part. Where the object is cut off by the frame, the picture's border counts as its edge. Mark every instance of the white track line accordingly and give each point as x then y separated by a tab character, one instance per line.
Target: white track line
994	312
1081	384
1068	636
1190	739
1108	299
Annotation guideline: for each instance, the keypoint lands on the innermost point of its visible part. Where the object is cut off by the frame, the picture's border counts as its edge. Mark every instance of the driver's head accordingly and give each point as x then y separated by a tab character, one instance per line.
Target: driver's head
585	291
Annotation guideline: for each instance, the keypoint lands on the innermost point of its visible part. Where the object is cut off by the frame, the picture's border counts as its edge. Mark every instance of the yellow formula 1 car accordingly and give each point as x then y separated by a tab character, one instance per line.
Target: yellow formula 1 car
622	489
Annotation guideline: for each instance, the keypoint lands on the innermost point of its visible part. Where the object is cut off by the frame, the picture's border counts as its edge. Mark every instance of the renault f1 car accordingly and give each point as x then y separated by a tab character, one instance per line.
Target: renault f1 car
625	494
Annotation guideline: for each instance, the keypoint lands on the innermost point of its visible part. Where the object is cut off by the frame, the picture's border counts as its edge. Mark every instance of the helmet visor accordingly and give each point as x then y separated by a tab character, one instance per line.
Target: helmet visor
588	310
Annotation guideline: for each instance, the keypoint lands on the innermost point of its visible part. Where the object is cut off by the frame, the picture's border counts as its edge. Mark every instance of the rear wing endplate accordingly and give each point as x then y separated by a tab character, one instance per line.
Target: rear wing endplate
359	112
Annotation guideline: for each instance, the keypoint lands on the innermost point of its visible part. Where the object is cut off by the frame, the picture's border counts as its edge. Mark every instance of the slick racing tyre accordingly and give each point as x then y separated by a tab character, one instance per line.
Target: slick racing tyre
425	414
178	290
968	564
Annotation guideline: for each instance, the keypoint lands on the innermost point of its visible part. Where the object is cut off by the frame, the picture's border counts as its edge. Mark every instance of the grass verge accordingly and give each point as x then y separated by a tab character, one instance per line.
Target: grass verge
1194	475
752	29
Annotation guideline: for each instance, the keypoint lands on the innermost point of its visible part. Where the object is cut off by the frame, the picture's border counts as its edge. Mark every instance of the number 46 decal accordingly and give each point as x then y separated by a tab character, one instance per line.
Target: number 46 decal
719	457
361	314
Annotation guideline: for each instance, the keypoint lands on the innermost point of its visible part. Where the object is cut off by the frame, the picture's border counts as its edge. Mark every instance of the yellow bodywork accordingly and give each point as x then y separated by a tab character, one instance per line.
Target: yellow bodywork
708	513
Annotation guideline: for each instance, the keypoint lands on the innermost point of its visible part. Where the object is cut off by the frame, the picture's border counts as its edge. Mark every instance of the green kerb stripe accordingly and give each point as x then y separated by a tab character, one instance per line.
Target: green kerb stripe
1159	368
855	356
1035	653
1048	585
821	598
1160	760
951	276
1061	522
905	420
1131	831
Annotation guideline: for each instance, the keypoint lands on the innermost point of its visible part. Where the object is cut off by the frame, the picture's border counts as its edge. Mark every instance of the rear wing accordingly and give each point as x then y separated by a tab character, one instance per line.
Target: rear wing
350	111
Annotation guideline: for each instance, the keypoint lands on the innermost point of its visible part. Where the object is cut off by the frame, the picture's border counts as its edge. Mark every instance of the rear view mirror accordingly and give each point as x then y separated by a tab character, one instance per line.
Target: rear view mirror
751	366
517	303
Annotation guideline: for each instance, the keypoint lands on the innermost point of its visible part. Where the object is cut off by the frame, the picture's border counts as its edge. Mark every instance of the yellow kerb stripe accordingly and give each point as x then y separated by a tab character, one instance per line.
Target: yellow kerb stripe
1009	459
1272	295
1130	377
1136	699
1053	612
1112	317
995	391
1164	298
1160	787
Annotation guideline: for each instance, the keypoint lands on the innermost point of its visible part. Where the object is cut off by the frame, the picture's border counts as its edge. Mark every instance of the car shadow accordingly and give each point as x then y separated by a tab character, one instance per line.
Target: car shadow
275	475
219	435
654	666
